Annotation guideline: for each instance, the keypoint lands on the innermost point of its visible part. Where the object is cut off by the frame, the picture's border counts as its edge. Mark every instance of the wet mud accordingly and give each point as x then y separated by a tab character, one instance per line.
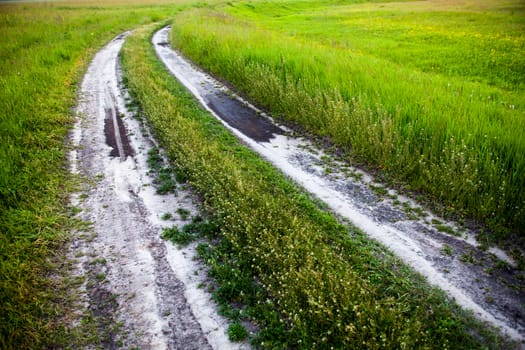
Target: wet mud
116	136
246	120
102	308
487	282
231	109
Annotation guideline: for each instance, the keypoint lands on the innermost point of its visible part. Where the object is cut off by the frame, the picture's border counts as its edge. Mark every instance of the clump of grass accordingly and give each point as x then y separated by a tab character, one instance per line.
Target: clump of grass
380	191
237	332
446	229
329	285
178	236
468	258
447	250
183	213
166	216
164	180
197	228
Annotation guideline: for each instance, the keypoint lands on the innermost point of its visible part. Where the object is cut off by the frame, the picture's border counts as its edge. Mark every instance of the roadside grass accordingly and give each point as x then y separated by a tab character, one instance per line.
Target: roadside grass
330	285
44	49
429	94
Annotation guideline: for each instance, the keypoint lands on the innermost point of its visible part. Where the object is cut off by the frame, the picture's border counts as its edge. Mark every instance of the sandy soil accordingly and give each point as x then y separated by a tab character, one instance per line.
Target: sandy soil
141	291
484	281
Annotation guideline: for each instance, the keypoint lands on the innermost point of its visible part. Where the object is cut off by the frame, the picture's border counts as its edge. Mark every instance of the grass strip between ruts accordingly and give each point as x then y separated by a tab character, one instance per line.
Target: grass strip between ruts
332	286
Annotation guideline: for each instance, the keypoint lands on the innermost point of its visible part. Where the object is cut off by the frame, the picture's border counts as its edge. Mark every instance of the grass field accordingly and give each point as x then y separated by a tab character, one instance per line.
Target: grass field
430	92
443	113
44	49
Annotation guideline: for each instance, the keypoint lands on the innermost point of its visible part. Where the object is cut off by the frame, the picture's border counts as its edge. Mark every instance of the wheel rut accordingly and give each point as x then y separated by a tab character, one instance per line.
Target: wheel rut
139	290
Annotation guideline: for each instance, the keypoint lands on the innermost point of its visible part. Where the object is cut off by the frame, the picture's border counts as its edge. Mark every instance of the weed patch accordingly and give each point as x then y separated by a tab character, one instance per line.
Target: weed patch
237	332
190	232
180	237
164	179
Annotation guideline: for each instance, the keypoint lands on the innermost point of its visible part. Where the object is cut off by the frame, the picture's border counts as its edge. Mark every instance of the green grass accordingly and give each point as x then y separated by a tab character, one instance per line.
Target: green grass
164	179
311	272
430	93
330	285
237	332
44	49
190	232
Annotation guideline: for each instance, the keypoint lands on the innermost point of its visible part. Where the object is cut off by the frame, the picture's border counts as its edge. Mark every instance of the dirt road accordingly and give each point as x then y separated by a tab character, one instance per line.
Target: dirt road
139	290
142	292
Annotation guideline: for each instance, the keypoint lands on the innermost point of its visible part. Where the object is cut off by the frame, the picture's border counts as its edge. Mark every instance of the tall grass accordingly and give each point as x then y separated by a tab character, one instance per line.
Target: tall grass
332	287
451	126
44	49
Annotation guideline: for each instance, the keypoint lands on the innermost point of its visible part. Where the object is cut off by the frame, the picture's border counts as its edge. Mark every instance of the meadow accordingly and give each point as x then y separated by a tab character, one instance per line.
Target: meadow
446	126
45	49
428	94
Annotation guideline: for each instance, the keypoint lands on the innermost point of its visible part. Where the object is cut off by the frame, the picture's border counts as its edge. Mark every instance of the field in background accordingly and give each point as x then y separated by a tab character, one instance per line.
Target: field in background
431	93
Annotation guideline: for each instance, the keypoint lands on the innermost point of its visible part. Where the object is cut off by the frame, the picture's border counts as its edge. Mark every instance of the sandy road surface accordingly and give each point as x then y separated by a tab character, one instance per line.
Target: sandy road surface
141	291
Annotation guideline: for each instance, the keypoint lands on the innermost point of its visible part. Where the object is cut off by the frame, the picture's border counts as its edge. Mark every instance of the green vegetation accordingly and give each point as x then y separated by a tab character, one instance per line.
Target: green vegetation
164	179
447	250
237	332
429	93
166	216
44	49
181	237
188	233
183	213
447	126
331	286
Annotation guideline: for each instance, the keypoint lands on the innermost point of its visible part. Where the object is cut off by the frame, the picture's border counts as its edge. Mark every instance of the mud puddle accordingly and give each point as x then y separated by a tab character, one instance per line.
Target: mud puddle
141	291
485	282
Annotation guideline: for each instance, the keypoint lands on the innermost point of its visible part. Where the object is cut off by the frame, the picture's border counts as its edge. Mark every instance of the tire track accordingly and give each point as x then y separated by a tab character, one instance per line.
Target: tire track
140	290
